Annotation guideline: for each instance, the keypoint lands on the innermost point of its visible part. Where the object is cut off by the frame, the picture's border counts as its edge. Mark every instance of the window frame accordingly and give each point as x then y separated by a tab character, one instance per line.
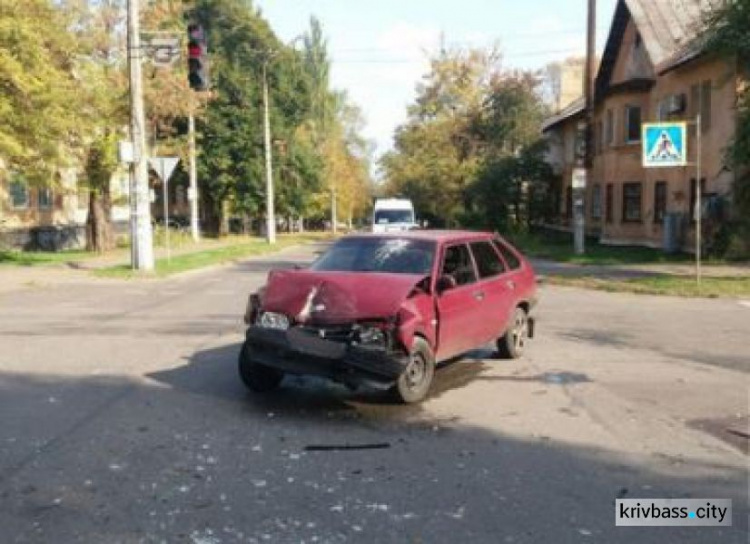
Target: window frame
504	250
465	245
609	128
49	201
596	202
492	251
18	181
628	127
660	201
626	200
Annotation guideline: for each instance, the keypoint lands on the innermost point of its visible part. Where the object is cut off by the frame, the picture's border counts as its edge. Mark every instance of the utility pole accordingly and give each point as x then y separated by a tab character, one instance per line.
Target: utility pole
194	228
141	235
579	193
334	212
270	213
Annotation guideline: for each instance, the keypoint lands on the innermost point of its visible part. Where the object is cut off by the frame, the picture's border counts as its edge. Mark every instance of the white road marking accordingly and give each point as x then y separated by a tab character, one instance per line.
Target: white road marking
745	303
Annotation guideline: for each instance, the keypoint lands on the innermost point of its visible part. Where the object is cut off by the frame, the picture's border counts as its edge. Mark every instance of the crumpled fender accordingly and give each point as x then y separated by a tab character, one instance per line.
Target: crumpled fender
415	318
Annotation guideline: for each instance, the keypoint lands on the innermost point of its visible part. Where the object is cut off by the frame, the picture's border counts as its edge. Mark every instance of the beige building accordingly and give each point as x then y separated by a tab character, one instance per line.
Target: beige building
54	217
651	71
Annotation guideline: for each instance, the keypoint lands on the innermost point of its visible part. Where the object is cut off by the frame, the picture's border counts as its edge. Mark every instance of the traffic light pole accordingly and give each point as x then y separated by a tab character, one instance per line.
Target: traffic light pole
194	228
141	235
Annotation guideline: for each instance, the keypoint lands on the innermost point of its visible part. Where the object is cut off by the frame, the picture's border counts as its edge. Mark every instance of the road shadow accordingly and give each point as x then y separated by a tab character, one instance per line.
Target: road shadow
213	372
122	459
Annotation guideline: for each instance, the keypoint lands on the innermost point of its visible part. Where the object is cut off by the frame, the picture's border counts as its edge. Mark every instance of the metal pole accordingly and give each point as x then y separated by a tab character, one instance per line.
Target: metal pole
142	238
166	212
698	197
194	228
334	211
270	215
579	195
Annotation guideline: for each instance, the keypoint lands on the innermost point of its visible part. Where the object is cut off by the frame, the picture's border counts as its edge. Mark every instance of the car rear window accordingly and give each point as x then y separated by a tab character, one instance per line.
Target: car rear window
487	259
510	257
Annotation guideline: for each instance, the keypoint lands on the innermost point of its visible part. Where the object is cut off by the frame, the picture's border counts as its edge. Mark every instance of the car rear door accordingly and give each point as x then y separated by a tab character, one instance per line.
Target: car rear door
496	292
517	278
459	308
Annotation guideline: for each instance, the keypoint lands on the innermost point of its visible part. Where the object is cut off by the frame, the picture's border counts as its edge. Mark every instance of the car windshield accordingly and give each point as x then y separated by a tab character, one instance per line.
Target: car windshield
392	255
384	217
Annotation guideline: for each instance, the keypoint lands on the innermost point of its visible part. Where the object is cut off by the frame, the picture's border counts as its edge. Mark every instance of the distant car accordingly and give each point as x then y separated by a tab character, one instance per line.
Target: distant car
393	215
382	310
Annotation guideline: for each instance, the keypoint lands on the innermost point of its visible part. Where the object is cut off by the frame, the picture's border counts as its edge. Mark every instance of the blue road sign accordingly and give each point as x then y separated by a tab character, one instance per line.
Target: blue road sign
664	144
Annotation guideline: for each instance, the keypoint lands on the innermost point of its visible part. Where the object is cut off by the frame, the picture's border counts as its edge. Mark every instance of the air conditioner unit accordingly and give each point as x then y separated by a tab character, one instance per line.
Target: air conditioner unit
675	104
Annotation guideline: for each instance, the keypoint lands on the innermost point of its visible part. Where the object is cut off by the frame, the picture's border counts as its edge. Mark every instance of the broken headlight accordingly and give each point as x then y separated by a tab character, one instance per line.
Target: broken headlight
272	320
371	336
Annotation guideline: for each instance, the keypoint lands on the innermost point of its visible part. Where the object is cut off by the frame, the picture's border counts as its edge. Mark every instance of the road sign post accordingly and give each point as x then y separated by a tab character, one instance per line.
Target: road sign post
579	215
164	166
664	146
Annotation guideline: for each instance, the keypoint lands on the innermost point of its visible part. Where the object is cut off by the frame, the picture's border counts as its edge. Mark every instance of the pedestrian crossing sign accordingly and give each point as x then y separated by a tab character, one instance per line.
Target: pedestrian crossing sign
664	144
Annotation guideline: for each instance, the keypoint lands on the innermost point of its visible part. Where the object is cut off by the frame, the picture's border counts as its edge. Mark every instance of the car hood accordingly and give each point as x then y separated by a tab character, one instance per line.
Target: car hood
336	297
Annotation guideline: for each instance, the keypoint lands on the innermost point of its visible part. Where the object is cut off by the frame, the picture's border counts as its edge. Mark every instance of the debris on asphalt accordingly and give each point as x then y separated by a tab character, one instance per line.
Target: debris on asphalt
348	447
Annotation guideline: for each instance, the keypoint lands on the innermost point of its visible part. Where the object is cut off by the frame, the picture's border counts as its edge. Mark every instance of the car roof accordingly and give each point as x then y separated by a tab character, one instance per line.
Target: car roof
433	235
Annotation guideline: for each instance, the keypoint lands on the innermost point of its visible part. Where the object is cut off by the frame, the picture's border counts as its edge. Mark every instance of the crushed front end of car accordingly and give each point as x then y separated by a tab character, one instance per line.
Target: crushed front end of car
343	327
353	354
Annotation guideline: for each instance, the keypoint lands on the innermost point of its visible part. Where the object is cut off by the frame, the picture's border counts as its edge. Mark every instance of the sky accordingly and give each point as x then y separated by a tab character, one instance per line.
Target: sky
379	48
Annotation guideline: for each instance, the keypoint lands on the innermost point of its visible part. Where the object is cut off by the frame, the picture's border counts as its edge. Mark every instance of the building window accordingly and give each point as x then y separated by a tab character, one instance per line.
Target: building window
631	202
694	197
19	194
660	201
44	198
632	124
609	203
568	202
180	196
609	128
705	106
596	202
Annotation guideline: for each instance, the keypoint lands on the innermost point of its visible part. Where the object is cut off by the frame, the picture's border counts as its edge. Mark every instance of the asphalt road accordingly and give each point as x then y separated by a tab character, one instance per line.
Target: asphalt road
122	420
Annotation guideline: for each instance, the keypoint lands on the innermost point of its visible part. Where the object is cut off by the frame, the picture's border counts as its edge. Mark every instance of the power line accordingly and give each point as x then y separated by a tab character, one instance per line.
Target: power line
500	39
394	60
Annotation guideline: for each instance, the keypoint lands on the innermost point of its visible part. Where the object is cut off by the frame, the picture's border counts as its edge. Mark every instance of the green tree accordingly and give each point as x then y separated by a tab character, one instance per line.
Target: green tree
101	104
38	100
231	165
469	153
726	35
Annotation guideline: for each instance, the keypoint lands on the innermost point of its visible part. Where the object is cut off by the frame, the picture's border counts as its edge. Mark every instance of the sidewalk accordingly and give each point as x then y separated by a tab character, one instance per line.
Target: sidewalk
632	271
14	278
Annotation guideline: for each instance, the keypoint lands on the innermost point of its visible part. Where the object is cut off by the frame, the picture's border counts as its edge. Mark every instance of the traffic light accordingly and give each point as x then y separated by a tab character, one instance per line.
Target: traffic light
197	58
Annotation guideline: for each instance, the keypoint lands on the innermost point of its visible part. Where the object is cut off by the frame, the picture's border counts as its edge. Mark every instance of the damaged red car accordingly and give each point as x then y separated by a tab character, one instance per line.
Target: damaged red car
382	310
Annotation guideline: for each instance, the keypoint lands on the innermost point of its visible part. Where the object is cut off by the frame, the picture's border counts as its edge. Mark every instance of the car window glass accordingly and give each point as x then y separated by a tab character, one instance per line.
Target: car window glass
488	261
457	263
374	254
513	261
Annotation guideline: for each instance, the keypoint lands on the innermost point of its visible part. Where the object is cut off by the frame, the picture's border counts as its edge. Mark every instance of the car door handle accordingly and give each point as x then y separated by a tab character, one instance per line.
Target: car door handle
511	284
479	295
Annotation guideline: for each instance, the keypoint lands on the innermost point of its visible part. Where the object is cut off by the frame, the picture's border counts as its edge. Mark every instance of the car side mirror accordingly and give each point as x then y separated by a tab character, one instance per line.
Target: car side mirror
445	283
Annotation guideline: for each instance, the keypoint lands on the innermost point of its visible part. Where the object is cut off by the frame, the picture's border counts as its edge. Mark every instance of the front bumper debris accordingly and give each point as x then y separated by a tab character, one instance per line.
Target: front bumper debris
298	352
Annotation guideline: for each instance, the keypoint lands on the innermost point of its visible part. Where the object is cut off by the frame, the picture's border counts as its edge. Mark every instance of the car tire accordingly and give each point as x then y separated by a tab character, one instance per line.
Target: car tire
257	377
511	345
414	383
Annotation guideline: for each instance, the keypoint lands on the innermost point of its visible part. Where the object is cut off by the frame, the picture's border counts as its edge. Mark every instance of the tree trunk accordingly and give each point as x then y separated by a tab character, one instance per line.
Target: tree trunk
224	218
99	232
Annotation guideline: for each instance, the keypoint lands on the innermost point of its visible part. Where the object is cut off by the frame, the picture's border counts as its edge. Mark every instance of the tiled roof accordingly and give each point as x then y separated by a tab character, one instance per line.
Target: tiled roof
669	27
